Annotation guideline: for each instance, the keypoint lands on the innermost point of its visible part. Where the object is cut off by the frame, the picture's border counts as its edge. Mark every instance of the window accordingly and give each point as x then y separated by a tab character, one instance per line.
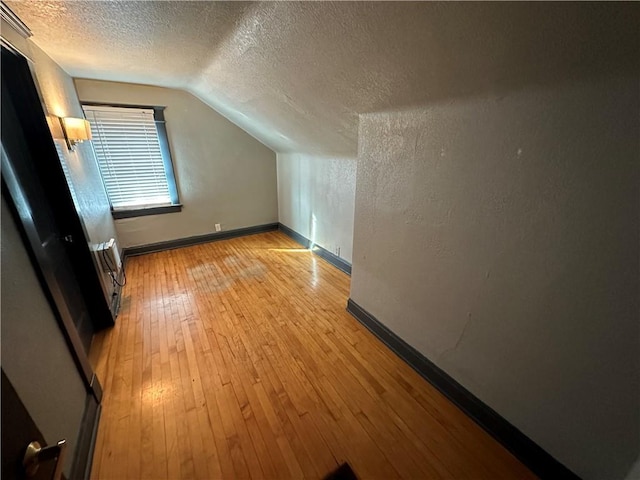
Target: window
132	150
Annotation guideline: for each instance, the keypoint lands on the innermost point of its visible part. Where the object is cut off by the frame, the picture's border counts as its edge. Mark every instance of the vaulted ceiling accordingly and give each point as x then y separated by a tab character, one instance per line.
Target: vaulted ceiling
297	74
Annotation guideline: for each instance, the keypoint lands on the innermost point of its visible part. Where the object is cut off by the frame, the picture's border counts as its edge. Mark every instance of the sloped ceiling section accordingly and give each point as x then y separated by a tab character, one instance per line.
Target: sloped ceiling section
296	75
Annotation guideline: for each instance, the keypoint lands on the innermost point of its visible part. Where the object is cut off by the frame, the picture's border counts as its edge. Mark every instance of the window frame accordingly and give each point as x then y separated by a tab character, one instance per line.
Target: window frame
167	161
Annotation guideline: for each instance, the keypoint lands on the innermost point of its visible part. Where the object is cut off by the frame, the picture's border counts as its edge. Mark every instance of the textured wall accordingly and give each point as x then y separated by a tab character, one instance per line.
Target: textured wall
316	198
297	74
492	189
35	356
60	100
224	175
499	237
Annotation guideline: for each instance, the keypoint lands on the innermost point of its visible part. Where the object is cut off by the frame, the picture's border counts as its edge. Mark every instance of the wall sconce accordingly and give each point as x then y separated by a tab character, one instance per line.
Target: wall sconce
75	130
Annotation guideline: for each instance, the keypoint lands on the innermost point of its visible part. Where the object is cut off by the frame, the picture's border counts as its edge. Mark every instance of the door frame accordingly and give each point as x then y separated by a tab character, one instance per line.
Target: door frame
21	86
42	150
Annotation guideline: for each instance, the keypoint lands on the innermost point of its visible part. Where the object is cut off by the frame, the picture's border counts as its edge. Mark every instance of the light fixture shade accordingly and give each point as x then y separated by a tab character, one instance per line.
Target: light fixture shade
76	129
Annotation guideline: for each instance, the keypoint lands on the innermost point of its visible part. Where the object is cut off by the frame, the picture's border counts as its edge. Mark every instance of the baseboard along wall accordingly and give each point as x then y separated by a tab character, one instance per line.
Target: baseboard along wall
333	259
522	447
336	261
86	444
197	239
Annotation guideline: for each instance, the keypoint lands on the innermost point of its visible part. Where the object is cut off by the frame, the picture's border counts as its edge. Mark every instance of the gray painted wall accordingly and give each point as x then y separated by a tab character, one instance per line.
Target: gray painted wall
498	235
224	175
316	197
486	181
35	356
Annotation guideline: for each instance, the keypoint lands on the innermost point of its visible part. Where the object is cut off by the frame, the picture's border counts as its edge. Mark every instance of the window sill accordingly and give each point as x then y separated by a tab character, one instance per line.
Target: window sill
141	212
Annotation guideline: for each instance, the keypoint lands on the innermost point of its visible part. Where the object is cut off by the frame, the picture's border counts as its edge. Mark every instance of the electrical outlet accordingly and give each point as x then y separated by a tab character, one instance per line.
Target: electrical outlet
218	227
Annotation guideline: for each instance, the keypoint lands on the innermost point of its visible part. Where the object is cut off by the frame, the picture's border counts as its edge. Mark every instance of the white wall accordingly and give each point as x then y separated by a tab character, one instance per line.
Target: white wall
316	197
223	174
499	237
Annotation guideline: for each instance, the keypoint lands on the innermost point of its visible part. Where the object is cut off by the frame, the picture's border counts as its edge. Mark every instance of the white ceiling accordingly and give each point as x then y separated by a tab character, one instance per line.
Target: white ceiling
297	74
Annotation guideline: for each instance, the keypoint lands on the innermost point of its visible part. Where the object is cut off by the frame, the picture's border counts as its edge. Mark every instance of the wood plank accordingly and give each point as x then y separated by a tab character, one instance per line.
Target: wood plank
237	359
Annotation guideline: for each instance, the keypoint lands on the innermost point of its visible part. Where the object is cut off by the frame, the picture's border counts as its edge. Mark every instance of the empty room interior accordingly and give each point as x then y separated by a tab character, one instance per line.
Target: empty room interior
320	240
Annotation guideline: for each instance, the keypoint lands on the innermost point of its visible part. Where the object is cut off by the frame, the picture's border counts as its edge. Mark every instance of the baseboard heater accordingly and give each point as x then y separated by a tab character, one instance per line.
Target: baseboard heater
109	257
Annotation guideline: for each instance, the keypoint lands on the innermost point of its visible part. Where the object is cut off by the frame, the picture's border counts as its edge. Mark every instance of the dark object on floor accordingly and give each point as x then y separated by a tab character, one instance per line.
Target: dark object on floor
343	472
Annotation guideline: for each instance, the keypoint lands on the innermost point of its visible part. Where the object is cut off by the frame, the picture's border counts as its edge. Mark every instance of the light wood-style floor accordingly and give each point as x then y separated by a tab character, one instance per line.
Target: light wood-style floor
237	359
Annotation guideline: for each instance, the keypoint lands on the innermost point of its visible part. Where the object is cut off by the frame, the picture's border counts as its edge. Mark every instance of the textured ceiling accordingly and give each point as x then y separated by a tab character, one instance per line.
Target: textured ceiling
297	74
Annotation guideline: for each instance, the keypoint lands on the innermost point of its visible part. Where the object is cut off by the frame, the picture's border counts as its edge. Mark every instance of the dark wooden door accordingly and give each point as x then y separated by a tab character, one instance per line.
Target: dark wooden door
18	430
34	185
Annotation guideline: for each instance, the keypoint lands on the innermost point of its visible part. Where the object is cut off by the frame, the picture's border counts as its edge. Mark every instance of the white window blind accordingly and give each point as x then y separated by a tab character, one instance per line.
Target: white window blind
128	151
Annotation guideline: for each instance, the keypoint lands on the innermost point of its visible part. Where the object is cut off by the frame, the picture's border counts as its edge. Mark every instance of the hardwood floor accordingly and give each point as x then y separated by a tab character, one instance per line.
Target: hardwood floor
237	359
